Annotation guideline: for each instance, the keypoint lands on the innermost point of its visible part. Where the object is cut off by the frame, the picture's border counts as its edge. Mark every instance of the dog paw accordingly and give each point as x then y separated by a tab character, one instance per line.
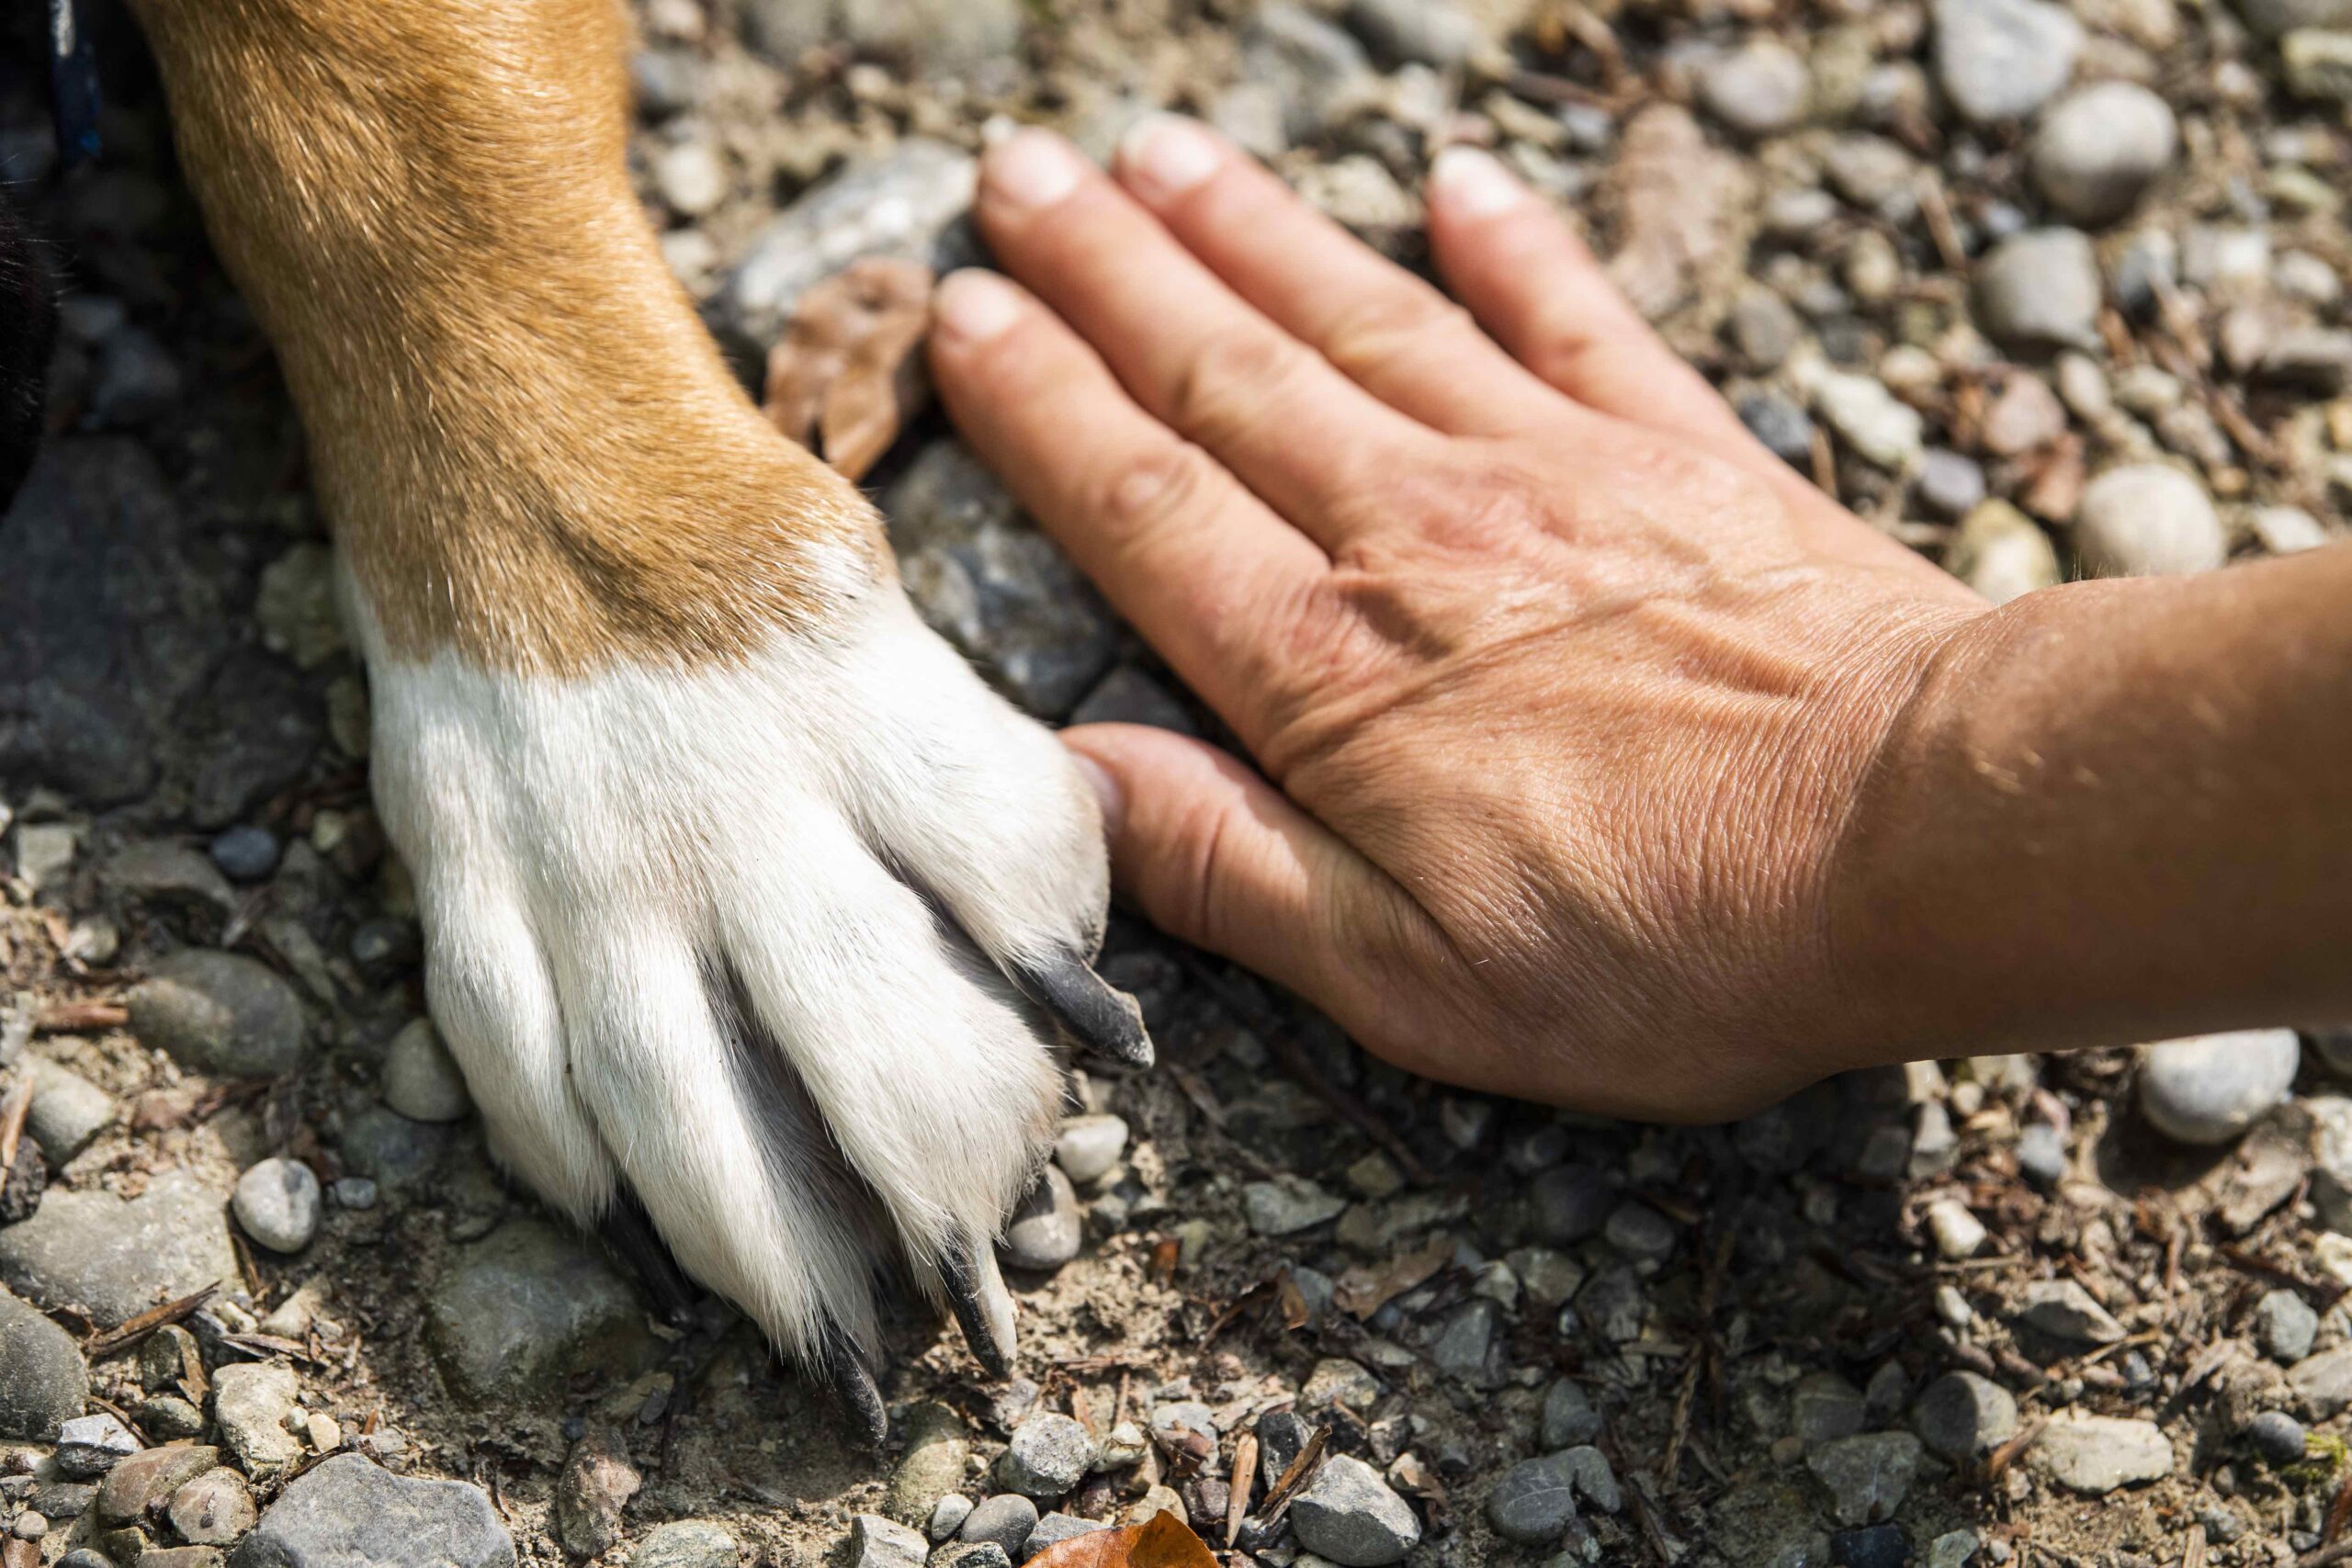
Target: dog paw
773	948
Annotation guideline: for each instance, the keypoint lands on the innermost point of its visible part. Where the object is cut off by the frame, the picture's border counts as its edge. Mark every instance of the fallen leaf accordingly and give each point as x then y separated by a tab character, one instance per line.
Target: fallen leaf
847	375
1362	1291
1162	1542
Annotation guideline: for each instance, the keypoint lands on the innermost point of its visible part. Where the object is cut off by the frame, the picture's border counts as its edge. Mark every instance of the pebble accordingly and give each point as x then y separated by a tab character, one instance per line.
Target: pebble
2041	1154
686	1543
1317	72
1049	1454
691	177
1872	1546
1640	1232
1046	1230
2026	415
1464	1342
1948	483
1759	89
1349	1515
221	1013
2318	63
515	1312
348	1510
1288	1204
2097	149
2277	1436
2001	60
2323	1381
972	1554
2039	288
1874	173
420	1079
1957	1232
596	1483
2285	1326
252	1402
2211	1089
1054	1529
68	1110
213	1509
1869	418
947	1516
1866	1476
2063	1310
1534	1502
2285	531
276	1202
1962	1417
392	1150
878	1542
902	203
1781	425
1824	1407
933	1466
89	1446
2147	519
145	1481
352	1192
112	1259
43	1380
1569	1419
1005	1520
1414	32
1088	1146
2096	1454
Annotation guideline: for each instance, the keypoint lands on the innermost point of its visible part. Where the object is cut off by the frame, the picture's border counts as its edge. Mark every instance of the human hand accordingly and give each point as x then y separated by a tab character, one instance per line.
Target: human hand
1564	684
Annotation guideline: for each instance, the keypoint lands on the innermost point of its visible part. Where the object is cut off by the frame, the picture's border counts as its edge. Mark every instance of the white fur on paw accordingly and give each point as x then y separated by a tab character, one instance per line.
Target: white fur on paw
685	930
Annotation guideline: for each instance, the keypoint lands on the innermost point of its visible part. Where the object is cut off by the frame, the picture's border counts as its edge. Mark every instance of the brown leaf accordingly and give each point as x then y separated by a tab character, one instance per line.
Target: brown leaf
1362	1291
847	375
1162	1542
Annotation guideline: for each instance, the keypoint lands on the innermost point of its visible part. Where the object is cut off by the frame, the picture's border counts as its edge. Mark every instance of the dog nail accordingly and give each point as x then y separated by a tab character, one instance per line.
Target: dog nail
983	1307
1104	1020
1031	169
1472	184
1166	155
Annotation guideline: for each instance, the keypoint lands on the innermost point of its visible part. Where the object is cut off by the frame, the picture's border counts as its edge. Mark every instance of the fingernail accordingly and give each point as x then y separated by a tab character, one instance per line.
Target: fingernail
975	306
1165	156
1107	794
1031	168
1472	184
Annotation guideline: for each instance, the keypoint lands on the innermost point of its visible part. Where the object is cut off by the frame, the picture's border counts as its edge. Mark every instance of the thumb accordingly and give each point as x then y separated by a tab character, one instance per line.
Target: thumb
1216	856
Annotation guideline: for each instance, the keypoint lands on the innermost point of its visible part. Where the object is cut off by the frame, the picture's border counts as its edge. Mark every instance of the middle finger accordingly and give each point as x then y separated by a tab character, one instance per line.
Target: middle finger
1282	418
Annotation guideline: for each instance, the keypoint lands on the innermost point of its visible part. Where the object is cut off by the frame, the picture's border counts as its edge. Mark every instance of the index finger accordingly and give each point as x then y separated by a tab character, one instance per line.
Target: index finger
1203	568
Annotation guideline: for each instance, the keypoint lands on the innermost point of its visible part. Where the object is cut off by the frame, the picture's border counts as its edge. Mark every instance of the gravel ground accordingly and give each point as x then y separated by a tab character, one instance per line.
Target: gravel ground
2042	291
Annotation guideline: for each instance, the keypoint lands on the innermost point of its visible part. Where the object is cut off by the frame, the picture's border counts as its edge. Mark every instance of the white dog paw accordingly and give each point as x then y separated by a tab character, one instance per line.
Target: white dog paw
771	949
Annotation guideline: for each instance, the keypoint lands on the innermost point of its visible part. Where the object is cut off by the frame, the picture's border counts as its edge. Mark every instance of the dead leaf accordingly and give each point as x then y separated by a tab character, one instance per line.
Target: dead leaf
1162	1542
847	375
1362	1291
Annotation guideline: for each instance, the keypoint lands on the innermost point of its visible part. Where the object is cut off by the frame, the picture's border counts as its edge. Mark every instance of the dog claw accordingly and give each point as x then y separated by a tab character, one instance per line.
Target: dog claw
854	1390
983	1307
627	1230
1106	1021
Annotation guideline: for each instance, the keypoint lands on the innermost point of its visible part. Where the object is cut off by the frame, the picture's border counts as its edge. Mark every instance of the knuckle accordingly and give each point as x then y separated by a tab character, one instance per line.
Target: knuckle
1227	382
1145	492
1384	326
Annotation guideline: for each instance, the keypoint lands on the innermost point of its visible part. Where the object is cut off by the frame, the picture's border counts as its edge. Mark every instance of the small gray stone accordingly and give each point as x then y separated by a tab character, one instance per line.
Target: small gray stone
1948	484
517	1311
251	1399
2001	60
1005	1520
1055	1528
1759	89
1317	72
1534	1501
1046	1230
214	1509
244	853
903	203
2039	288
1088	1146
2099	149
1824	1407
1596	1482
2210	1089
67	1111
1288	1204
2063	1310
878	1542
2323	1381
1461	1345
597	1482
937	1446
112	1259
1569	1419
2096	1454
1351	1517
1866	1476
947	1516
686	1543
419	1082
2151	519
1568	1203
346	1512
1415	32
2041	1154
1049	1454
1640	1232
145	1482
2318	63
89	1446
276	1202
43	1381
1172	1419
972	1554
1869	418
391	1149
1963	1416
2285	1326
2277	1437
1763	328
220	1012
1779	424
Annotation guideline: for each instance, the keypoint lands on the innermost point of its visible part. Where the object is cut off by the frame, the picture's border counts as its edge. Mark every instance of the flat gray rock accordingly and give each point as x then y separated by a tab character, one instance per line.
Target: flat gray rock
686	1543
220	1012
1866	1476
1348	1515
518	1311
2096	1454
350	1513
43	1379
114	1259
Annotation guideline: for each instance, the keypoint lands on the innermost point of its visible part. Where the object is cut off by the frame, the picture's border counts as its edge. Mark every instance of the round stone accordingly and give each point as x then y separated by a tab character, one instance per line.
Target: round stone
2147	520
421	1081
277	1203
220	1012
2039	288
1046	1230
246	853
1006	1519
1351	1517
2099	148
1759	89
2285	1326
2277	1436
2001	60
1049	1454
947	1516
1534	1501
2211	1089
1088	1146
1962	1417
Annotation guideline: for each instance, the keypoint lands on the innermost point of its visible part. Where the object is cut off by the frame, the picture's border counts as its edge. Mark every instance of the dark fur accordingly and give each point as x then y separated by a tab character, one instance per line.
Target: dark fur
27	333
